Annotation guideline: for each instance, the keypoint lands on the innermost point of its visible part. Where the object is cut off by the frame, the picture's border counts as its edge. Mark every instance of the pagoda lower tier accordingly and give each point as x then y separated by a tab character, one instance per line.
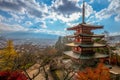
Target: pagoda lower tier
82	56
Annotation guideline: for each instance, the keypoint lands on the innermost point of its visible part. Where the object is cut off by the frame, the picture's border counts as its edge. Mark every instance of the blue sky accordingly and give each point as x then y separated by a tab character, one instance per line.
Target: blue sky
54	16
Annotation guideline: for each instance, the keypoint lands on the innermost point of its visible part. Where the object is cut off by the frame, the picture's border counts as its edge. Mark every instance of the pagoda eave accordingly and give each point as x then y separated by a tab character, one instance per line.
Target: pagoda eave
85	35
95	45
78	56
72	36
72	44
72	54
84	26
96	56
74	28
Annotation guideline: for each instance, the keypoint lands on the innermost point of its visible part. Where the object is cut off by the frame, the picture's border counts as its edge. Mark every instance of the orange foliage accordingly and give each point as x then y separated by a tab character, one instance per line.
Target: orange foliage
99	73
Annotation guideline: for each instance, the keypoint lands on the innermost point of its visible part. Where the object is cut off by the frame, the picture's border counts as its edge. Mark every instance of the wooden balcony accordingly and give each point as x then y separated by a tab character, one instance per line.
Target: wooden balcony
78	52
83	42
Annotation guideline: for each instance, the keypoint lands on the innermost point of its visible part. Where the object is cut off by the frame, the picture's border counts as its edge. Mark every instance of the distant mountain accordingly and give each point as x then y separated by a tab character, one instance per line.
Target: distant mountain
28	35
114	39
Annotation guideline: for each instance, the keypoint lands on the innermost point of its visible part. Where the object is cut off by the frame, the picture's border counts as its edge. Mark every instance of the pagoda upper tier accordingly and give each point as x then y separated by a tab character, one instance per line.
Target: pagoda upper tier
85	35
85	26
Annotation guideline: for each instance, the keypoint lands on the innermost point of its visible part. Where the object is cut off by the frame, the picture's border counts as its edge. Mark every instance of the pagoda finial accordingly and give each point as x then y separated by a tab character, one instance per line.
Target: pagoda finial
83	13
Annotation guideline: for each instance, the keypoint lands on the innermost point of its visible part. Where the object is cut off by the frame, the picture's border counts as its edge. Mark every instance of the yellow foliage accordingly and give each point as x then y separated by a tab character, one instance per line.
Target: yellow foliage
7	56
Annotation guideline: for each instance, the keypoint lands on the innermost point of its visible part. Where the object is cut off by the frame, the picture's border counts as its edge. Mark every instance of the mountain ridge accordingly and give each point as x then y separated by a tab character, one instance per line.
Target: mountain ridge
28	35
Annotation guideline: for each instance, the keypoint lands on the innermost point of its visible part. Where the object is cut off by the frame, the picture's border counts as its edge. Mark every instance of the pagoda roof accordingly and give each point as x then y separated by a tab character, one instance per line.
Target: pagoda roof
95	45
78	56
115	70
72	44
72	54
88	35
72	36
85	35
87	26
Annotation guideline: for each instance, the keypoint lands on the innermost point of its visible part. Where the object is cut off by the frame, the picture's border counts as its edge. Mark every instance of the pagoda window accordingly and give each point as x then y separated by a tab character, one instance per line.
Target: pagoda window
79	49
77	39
76	49
79	31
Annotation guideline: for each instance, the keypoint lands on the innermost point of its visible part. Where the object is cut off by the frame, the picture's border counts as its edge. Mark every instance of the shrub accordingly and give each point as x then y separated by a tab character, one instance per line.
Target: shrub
12	75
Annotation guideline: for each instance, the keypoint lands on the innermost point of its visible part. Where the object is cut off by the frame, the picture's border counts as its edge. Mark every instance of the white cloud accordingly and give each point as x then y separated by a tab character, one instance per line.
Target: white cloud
65	6
114	33
39	25
1	18
24	11
16	17
7	27
60	33
13	28
71	24
68	10
65	10
88	10
28	23
91	1
103	14
117	18
30	7
112	9
43	24
69	18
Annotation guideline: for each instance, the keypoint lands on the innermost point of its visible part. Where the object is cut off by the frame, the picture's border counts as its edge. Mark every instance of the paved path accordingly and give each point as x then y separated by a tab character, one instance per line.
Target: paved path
34	69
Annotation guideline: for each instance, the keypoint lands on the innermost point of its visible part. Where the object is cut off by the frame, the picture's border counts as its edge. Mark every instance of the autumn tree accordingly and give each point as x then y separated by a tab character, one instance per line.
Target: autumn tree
27	55
7	56
99	73
12	75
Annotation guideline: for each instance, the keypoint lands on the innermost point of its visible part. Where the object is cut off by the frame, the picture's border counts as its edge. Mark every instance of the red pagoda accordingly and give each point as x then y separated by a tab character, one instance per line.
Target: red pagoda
83	46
